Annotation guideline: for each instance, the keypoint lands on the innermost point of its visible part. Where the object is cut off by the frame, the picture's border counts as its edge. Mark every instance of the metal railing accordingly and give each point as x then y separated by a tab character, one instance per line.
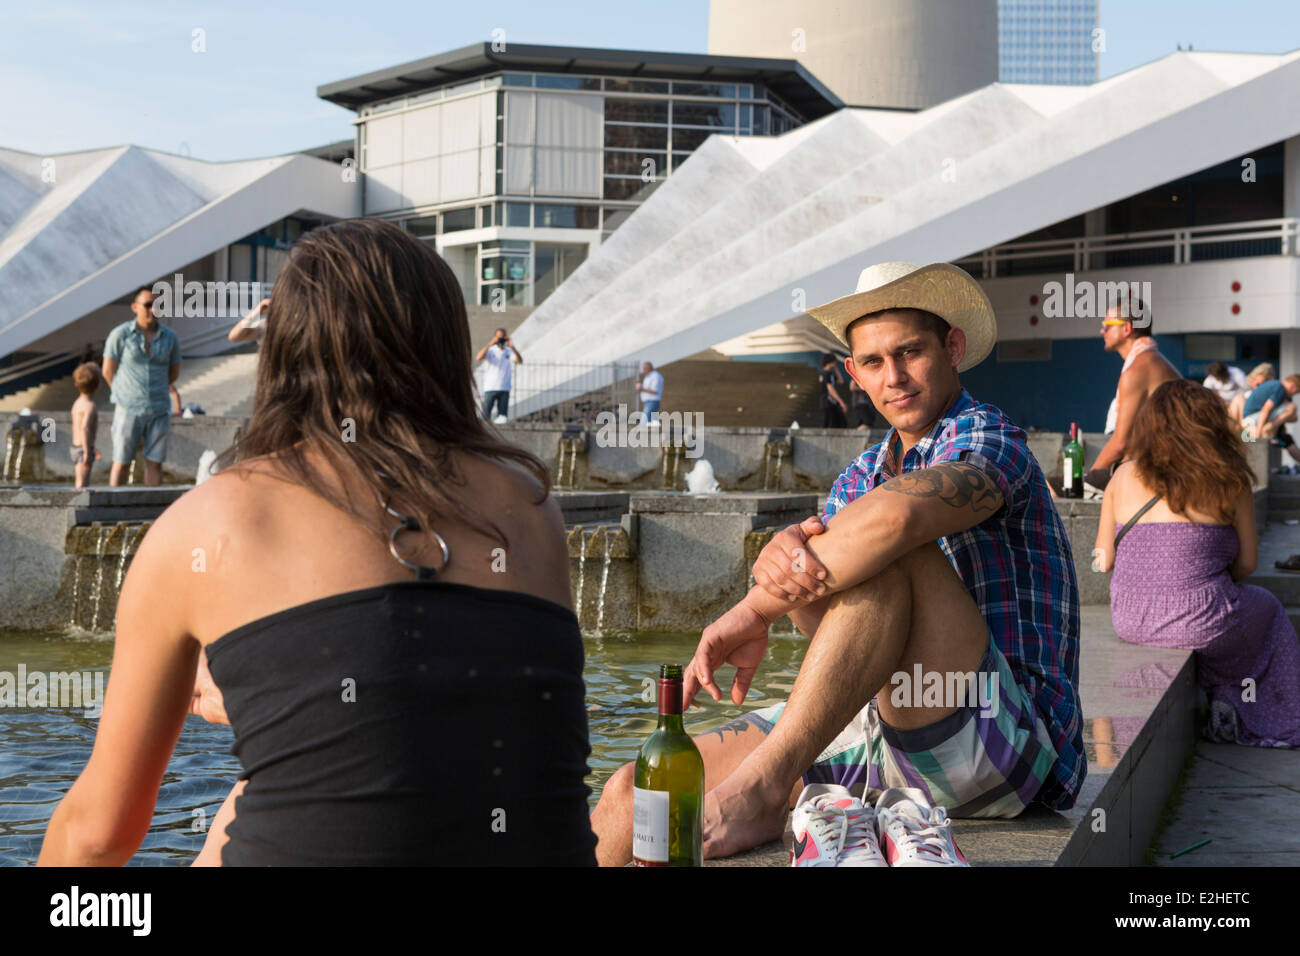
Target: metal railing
39	363
1230	240
571	392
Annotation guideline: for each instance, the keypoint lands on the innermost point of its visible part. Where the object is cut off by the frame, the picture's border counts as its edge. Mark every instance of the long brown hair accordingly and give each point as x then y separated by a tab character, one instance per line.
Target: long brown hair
366	360
1186	451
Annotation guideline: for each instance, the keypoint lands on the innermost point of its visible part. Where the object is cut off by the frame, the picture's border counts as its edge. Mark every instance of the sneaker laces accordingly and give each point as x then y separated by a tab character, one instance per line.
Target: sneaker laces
931	837
859	831
828	822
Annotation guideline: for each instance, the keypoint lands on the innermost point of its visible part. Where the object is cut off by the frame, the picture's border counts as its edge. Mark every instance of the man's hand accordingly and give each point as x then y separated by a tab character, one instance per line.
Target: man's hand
207	701
785	569
738	637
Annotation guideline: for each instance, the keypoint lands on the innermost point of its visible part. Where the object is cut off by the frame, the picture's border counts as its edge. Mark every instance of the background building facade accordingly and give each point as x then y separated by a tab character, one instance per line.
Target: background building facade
905	54
1048	41
517	173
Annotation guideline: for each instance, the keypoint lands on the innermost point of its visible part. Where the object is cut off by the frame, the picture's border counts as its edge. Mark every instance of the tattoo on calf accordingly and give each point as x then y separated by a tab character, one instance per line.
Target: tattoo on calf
954	483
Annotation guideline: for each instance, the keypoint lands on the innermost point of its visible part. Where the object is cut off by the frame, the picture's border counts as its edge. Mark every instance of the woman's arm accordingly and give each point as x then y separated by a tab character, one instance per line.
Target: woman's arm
1247	537
1103	549
105	816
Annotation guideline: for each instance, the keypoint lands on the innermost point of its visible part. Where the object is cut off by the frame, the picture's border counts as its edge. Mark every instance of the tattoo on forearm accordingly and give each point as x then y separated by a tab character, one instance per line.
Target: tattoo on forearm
954	483
737	727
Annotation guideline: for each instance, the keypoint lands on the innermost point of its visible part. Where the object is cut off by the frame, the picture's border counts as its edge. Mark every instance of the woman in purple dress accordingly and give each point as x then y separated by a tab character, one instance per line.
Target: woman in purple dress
1178	528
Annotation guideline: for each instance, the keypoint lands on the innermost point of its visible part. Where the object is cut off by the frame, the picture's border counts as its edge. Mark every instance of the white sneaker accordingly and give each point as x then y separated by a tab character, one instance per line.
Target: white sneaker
913	833
833	828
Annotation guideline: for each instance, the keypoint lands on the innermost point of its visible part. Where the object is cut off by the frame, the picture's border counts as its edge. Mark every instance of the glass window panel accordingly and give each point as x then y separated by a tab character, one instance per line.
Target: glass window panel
485	215
689	139
720	115
571	122
632	189
455	220
567	172
568	83
517	79
518	213
503	268
637	137
567	217
519	118
635	111
427	226
704	89
632	164
746	91
519	170
746	118
511	293
635	86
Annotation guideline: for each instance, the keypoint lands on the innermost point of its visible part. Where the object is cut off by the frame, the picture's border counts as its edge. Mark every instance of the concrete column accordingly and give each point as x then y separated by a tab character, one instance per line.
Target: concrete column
1288	352
1291	179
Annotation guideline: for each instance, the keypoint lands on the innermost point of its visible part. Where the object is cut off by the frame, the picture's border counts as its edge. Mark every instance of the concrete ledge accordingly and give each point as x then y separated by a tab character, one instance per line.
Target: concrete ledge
1139	707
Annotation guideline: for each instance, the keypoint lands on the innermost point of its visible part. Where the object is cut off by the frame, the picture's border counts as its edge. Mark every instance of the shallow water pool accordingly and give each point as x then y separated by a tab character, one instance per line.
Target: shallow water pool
43	751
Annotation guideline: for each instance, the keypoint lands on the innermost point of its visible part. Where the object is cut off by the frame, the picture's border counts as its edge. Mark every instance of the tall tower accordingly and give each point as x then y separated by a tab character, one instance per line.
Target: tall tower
901	53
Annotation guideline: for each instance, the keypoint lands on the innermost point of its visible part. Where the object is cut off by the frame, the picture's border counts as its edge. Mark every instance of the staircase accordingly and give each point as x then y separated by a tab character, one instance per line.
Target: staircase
53	396
221	384
1280	540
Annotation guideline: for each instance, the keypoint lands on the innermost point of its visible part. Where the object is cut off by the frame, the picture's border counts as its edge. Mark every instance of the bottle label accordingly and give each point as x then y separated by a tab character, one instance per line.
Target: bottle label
650	825
1069	474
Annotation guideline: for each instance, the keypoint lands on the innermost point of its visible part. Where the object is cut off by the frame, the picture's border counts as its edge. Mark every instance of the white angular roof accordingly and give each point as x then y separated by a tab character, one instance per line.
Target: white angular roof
79	230
752	230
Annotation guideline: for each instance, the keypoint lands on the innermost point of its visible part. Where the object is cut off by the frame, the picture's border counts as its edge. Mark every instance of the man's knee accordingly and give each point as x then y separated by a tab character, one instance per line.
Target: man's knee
922	562
619	785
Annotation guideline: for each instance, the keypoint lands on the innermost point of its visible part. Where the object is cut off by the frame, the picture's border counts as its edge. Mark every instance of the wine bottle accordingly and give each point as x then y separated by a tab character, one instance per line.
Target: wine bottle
1072	464
668	789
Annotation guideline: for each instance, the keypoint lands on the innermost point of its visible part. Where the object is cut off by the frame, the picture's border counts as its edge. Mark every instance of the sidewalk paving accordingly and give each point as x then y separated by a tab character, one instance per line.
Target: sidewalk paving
1228	793
1229	789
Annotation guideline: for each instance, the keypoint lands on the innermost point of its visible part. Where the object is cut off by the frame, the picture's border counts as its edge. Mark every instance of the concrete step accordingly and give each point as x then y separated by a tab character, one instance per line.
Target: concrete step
1283	584
1136	742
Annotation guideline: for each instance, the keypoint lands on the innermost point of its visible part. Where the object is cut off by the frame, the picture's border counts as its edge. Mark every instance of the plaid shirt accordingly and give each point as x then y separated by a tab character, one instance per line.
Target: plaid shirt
1017	565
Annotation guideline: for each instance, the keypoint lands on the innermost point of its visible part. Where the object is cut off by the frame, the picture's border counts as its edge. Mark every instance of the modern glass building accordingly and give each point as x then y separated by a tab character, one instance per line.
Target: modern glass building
1047	41
518	163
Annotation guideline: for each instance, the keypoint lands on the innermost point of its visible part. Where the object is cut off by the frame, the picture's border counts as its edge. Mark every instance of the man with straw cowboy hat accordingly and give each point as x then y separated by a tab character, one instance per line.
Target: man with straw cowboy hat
939	555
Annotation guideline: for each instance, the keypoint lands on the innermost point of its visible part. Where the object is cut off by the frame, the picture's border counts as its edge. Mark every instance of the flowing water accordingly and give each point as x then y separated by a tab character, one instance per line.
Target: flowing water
43	751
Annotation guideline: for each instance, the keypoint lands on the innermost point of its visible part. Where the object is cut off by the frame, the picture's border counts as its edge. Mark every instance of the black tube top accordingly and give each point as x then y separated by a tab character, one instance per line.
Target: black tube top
413	723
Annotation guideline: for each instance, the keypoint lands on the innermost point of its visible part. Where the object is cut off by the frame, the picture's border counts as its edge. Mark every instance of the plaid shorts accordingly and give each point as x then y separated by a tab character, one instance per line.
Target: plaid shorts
980	761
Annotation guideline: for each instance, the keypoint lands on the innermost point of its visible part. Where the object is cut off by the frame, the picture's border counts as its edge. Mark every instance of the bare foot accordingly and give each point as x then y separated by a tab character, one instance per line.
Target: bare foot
738	816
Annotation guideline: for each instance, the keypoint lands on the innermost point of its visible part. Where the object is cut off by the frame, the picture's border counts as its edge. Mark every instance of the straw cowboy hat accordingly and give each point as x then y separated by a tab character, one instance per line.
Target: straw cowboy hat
943	289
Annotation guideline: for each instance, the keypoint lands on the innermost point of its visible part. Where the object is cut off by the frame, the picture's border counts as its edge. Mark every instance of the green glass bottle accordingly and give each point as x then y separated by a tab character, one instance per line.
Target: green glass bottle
668	790
1072	464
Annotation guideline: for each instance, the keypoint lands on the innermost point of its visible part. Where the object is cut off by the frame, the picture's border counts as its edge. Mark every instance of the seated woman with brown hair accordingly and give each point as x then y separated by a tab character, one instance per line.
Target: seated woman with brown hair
380	588
1178	527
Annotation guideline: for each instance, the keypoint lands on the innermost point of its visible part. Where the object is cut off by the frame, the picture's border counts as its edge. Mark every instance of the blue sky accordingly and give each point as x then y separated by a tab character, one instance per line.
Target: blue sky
108	72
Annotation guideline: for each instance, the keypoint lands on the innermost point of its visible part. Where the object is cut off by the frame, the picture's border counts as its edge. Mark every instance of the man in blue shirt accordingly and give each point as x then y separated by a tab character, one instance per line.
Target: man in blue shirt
142	358
1268	407
939	557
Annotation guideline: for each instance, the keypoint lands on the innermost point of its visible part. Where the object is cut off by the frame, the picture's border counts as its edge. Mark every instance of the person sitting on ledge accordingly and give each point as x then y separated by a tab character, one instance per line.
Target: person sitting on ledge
380	588
1186	540
939	548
